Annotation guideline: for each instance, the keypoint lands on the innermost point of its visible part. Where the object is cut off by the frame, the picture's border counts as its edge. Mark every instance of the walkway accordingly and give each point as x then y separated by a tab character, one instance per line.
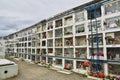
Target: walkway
29	71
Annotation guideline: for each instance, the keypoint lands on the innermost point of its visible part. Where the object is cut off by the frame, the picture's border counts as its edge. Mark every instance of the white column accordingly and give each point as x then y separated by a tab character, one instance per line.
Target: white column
63	63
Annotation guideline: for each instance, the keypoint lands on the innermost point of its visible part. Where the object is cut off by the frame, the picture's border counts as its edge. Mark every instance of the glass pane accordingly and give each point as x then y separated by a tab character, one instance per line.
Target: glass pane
80	28
94	26
79	17
114	69
112	8
112	23
113	53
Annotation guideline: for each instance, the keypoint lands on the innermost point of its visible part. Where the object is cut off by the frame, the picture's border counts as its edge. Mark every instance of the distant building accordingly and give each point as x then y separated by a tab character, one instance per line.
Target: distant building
2	48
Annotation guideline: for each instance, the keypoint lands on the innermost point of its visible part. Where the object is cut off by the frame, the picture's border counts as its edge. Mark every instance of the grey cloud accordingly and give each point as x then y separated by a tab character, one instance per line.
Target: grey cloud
18	14
6	32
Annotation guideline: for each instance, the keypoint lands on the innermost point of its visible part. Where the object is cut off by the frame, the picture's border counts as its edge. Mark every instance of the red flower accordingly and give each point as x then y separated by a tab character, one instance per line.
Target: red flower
86	63
101	75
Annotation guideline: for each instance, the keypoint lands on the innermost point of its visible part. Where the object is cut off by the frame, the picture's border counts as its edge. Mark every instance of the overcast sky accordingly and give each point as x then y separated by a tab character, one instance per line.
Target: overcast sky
18	14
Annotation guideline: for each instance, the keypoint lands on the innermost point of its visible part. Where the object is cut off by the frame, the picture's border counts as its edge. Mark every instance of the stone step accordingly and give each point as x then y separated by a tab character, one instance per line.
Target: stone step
55	68
64	71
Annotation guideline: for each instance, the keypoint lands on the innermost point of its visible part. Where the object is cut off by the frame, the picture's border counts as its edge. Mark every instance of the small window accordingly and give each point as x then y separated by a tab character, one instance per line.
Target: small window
92	14
80	53
58	42
50	50
43	27
68	52
112	38
100	39
80	65
68	20
68	41
94	26
114	69
79	17
79	28
58	23
50	34
80	40
58	52
58	62
68	30
43	43
58	33
43	51
112	8
111	23
113	53
50	43
50	26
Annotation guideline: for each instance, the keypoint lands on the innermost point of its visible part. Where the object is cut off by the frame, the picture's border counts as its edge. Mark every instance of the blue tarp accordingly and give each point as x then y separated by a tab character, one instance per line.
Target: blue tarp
95	6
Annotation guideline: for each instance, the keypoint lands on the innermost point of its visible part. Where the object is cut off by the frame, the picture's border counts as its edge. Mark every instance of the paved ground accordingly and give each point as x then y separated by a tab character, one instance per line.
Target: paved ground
29	71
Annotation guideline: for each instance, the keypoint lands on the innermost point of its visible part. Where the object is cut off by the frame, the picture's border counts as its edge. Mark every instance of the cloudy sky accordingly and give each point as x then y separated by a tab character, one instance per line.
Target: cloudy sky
18	14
